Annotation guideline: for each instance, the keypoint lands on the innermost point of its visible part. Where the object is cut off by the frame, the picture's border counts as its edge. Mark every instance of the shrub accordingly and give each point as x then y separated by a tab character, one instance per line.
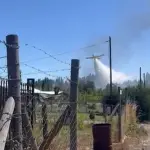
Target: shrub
80	125
93	106
92	115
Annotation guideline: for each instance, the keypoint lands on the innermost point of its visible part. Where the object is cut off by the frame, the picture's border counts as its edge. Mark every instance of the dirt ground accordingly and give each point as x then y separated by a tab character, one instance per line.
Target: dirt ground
135	143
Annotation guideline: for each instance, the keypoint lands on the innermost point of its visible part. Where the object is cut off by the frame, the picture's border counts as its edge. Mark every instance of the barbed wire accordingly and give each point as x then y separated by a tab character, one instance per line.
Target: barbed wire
32	60
40	131
17	115
3	69
46	71
39	49
3	57
54	56
53	145
66	78
8	45
51	56
1	41
57	54
40	70
8	119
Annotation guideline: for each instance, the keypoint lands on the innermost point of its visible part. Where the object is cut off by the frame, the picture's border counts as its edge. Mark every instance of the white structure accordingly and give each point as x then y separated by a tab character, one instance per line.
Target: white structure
46	92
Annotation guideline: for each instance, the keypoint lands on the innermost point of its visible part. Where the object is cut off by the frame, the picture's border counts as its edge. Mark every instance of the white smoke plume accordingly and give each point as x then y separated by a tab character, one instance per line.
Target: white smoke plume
102	73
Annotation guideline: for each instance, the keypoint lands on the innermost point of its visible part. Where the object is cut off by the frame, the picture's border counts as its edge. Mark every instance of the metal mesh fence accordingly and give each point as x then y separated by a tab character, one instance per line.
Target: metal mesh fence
52	114
62	140
47	120
44	125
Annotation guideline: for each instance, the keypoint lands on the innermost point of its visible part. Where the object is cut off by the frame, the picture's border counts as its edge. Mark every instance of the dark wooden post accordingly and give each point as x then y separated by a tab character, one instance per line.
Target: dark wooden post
105	112
30	97
14	86
120	116
28	142
144	82
140	84
102	137
33	104
73	103
45	122
126	97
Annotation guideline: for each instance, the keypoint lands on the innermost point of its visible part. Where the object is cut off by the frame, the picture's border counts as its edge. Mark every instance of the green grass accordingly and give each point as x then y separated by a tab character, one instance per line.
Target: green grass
90	98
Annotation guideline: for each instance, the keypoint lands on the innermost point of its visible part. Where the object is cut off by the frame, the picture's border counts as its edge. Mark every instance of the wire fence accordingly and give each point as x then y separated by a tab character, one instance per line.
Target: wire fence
33	124
62	140
44	121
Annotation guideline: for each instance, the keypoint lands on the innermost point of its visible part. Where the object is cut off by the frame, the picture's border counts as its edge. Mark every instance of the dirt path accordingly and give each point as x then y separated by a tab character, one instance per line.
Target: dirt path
146	143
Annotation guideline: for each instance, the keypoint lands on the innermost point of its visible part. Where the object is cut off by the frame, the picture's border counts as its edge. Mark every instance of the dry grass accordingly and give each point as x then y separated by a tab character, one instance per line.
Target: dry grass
133	133
130	126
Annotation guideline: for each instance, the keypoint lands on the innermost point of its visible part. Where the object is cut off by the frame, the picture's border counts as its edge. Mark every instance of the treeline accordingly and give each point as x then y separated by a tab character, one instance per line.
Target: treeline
64	84
47	84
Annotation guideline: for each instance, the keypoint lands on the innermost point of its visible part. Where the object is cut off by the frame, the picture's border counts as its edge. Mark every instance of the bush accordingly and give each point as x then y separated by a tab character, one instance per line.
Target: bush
81	119
93	106
92	115
142	99
80	125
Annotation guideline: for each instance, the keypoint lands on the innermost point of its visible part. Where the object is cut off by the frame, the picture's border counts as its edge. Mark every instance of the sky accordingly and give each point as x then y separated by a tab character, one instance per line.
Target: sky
69	27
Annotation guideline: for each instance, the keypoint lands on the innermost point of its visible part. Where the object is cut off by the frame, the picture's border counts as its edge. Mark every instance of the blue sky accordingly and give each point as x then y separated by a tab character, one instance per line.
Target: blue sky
58	26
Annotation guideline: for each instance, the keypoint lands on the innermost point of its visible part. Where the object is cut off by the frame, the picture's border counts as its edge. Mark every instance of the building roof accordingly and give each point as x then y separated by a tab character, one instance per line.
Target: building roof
37	91
46	92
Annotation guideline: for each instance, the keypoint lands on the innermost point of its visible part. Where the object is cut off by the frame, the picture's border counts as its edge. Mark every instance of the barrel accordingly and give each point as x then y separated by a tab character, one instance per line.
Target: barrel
102	137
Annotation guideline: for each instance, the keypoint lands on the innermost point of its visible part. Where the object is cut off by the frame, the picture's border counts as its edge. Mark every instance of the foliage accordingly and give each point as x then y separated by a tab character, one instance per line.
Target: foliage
113	100
81	119
141	96
88	93
56	89
93	106
93	97
47	84
92	115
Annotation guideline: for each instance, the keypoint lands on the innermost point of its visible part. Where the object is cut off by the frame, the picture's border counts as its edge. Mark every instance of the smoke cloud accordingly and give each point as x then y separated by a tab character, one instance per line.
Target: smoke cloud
128	32
102	73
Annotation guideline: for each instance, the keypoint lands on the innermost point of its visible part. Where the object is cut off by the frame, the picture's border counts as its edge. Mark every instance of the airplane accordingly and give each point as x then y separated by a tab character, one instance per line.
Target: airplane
95	57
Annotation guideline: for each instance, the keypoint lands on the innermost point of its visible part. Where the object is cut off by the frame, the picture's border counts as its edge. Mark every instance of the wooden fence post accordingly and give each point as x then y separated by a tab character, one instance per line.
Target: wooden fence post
30	97
14	86
45	121
28	142
126	96
73	103
120	116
